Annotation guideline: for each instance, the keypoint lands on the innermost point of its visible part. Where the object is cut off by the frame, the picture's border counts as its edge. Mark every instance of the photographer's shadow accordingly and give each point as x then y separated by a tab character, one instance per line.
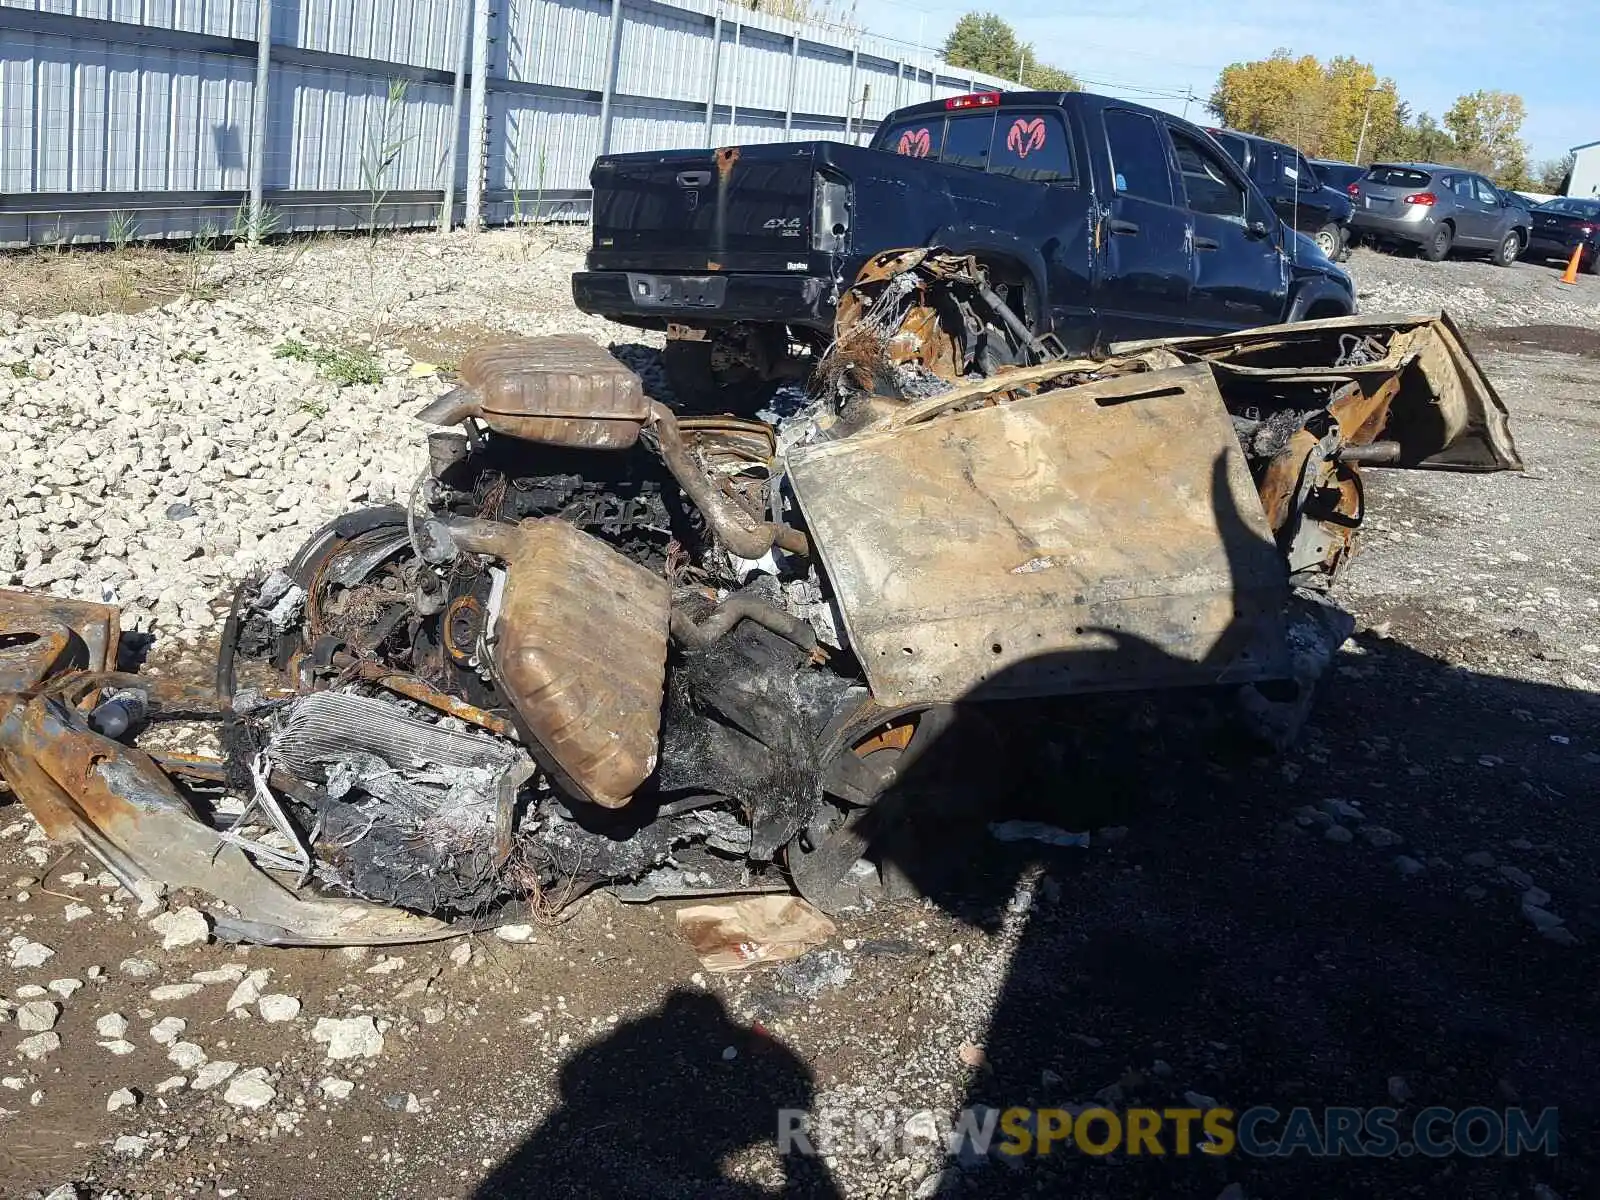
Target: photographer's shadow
654	1109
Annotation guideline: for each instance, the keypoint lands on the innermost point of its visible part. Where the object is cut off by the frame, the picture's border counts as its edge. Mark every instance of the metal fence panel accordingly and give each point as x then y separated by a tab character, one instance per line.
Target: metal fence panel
145	109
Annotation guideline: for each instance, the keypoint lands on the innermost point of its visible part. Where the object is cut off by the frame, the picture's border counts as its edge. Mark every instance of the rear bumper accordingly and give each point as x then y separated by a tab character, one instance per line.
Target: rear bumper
653	300
1417	228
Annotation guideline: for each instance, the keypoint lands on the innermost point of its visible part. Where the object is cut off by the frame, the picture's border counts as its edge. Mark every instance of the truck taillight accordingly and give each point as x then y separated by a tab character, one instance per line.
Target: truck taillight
1586	230
1426	199
1354	189
975	100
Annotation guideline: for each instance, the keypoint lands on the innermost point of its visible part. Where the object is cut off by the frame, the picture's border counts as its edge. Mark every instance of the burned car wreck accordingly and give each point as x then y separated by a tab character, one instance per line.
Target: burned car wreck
611	642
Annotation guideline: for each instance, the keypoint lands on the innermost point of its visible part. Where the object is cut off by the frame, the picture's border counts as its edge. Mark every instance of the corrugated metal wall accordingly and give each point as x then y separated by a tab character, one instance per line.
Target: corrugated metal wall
142	113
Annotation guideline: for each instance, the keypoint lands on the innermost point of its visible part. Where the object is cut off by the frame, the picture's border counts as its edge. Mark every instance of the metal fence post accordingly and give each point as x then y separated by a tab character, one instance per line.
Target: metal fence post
794	73
258	135
477	116
733	92
850	98
899	83
716	64
611	76
447	215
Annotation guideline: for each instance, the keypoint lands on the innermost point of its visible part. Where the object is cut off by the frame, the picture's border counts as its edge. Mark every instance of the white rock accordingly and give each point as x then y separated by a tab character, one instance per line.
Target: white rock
175	991
249	991
137	968
112	1025
31	991
25	954
461	954
514	933
130	1146
348	1037
230	973
119	1047
65	987
212	1074
182	927
38	1015
76	912
250	1089
336	1089
39	1045
149	893
278	1007
121	1098
186	1056
170	1084
168	1030
386	966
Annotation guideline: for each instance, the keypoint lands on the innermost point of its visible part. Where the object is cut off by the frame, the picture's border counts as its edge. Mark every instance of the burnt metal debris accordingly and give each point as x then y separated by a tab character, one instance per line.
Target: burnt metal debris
607	643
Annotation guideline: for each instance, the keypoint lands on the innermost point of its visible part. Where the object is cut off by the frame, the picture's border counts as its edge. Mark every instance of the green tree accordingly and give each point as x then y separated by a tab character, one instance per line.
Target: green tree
985	42
1423	141
1487	128
1318	107
1555	174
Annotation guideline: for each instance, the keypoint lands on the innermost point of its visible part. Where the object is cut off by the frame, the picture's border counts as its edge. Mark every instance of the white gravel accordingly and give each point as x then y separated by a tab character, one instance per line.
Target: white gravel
153	459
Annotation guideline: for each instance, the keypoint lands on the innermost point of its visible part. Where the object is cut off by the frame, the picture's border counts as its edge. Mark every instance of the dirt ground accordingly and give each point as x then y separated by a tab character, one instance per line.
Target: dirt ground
1343	925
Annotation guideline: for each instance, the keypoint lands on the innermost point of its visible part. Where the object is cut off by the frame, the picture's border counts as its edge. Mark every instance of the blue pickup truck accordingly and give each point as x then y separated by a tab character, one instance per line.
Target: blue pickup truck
1098	220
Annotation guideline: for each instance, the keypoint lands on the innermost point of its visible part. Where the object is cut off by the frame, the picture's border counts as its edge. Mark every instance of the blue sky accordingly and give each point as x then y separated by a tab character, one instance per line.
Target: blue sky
1434	50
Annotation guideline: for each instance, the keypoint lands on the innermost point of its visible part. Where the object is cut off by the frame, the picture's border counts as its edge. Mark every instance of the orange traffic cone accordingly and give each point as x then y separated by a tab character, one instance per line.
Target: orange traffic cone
1570	275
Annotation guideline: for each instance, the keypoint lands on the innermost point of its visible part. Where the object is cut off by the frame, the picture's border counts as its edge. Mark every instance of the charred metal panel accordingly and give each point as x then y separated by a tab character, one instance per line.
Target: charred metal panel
42	635
120	806
1105	536
1446	415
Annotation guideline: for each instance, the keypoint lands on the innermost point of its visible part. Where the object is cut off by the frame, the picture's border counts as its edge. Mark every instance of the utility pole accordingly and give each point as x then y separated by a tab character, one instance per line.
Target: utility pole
1022	58
1188	98
1361	139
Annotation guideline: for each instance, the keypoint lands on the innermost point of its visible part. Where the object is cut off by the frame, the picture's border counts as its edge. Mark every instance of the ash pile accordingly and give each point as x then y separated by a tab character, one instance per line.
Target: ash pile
611	643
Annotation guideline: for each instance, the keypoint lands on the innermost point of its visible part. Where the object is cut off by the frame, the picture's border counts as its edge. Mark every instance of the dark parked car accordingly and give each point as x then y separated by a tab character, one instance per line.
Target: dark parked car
1439	209
1097	220
1338	175
1563	225
1293	187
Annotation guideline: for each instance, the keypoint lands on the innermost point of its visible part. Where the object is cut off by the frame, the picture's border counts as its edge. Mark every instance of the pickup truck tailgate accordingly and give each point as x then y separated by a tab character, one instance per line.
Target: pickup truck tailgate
744	208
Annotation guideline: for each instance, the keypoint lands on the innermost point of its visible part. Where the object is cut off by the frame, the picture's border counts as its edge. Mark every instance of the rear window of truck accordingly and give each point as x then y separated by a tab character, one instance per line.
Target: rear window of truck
922	138
1026	145
1398	177
966	140
1032	146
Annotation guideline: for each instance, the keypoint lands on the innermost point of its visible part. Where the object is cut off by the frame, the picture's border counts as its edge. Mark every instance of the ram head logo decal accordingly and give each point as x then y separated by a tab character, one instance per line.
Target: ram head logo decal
915	143
1026	136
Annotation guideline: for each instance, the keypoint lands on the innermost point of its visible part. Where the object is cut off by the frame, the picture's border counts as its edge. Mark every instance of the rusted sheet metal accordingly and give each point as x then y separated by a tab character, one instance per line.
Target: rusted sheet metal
117	803
580	649
1445	413
1100	537
43	636
560	390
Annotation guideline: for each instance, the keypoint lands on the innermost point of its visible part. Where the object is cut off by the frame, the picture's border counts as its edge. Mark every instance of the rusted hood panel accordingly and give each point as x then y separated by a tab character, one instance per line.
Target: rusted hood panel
1446	415
1101	537
118	804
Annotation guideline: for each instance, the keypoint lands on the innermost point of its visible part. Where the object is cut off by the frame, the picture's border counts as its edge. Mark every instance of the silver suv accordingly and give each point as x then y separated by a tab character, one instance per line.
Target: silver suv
1438	209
